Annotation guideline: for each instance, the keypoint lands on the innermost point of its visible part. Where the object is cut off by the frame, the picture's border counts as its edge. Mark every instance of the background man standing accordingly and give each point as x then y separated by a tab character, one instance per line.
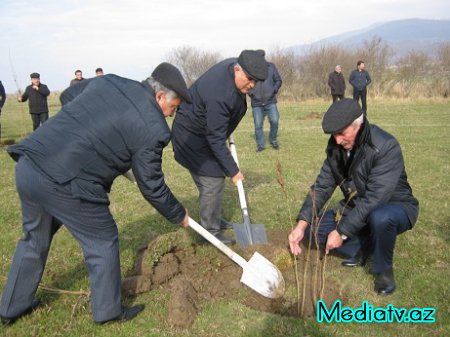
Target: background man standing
201	129
65	170
78	77
99	72
2	102
336	82
360	79
264	103
36	94
366	163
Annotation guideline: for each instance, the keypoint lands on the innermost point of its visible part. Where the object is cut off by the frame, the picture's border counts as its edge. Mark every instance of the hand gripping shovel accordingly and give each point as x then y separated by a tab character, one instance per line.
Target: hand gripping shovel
258	274
246	233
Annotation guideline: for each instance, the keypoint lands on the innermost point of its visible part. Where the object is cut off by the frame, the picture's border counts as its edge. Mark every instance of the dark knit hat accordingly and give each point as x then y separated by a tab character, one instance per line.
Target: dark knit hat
35	75
169	76
254	64
340	115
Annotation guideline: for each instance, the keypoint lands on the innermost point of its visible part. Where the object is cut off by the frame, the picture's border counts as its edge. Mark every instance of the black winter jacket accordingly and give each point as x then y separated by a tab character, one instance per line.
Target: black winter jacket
106	126
336	82
376	173
200	130
265	92
2	95
37	99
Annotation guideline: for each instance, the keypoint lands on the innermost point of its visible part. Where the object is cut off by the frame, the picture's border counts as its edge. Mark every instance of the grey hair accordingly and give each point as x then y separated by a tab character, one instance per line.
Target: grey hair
157	86
358	121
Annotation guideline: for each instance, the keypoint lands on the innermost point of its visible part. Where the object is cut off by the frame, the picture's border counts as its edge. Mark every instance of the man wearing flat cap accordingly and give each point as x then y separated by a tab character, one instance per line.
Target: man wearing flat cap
65	169
366	163
36	94
200	131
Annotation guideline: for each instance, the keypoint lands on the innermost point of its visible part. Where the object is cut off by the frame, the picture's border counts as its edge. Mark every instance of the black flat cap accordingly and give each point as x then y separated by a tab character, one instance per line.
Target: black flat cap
169	76
35	75
254	64
340	115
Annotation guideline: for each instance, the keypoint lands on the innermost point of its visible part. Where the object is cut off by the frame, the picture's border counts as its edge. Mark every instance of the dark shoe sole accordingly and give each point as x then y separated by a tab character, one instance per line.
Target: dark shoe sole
12	320
128	313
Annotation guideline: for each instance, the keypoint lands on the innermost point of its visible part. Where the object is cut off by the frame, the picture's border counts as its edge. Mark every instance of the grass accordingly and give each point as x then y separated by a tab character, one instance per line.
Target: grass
421	256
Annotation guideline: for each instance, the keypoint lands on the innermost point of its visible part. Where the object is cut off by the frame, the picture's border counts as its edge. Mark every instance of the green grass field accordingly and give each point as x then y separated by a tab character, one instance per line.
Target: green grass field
421	260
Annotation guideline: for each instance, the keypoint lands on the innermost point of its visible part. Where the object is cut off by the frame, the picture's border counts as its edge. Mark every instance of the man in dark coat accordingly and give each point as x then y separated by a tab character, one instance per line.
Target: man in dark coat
360	79
36	94
2	96
78	78
65	169
264	103
336	82
367	164
200	130
2	102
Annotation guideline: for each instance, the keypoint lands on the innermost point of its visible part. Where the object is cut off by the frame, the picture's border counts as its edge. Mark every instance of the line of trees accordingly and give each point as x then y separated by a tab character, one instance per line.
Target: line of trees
416	75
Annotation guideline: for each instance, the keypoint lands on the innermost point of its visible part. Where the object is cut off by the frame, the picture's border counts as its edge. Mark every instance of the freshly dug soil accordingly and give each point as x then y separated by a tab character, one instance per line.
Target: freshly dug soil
196	274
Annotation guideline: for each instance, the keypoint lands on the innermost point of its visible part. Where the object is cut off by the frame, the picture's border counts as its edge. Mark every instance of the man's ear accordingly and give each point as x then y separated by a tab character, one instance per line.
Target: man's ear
159	95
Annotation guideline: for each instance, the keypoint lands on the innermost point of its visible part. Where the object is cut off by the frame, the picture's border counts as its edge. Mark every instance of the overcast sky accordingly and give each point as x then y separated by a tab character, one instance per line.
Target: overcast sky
130	38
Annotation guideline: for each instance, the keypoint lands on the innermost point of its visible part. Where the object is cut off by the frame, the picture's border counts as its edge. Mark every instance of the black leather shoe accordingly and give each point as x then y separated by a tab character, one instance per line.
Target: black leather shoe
357	261
222	237
385	283
226	240
11	320
275	145
224	224
127	314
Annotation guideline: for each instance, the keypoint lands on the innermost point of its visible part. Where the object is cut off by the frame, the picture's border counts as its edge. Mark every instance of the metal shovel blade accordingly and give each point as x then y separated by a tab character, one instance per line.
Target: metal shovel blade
258	273
263	276
247	235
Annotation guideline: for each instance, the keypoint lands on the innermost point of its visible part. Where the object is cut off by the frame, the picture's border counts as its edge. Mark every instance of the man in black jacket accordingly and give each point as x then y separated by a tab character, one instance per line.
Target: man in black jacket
367	164
200	130
2	102
336	82
36	94
65	169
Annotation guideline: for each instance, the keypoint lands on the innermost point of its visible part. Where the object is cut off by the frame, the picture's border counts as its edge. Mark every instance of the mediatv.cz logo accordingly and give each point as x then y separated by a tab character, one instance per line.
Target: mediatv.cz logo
368	314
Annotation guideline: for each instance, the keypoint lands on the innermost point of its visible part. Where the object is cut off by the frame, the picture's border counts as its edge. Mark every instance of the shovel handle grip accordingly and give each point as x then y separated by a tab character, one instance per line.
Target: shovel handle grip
217	243
240	185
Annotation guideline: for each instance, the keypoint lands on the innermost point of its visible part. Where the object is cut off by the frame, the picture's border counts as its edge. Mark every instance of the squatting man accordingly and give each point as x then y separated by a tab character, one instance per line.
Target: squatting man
366	163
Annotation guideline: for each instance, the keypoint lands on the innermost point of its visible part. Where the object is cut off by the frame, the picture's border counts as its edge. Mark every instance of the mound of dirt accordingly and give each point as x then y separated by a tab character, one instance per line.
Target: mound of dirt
195	274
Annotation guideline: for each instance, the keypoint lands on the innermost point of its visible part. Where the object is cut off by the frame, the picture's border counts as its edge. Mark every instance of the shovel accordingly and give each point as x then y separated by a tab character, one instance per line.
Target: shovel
259	274
246	233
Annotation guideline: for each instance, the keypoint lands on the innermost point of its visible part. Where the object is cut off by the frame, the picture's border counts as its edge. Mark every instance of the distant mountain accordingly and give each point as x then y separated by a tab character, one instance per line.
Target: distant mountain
402	35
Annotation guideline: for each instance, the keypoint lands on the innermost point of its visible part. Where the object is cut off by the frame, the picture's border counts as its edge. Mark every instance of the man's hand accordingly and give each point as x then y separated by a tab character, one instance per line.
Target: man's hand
296	236
238	176
185	222
334	240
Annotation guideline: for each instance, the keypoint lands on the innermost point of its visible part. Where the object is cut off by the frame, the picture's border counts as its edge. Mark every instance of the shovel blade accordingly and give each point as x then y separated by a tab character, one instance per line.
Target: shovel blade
257	235
263	276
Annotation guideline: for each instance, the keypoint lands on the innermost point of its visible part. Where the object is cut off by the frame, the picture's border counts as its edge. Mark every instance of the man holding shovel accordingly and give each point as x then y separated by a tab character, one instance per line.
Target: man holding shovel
367	164
201	129
65	169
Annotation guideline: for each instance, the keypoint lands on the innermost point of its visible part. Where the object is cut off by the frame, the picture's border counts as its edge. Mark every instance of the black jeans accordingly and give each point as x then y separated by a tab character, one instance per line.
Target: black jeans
38	119
357	94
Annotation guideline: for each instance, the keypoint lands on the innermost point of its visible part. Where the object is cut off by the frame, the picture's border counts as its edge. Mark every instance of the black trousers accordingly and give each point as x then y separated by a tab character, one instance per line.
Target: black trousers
357	94
38	119
336	97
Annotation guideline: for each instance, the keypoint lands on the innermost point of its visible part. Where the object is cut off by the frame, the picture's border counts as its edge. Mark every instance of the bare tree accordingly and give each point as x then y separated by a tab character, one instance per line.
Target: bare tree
192	62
